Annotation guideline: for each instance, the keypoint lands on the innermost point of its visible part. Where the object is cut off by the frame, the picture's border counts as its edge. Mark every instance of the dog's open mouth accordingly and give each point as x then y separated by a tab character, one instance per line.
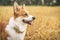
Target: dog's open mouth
28	22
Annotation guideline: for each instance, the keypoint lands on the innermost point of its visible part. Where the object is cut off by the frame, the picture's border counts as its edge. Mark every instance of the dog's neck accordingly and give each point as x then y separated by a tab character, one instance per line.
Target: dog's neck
18	27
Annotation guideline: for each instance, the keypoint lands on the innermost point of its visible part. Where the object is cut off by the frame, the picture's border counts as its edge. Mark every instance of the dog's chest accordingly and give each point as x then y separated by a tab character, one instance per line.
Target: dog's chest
16	34
14	31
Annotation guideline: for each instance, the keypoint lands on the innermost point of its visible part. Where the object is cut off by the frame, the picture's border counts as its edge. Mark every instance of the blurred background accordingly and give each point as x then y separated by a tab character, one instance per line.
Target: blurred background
32	2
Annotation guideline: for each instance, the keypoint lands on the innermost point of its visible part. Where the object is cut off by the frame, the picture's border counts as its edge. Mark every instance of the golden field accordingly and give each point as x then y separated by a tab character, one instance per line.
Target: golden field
45	27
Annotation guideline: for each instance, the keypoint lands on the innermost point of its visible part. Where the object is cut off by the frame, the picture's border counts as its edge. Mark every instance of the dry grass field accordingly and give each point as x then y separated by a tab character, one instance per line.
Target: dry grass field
45	27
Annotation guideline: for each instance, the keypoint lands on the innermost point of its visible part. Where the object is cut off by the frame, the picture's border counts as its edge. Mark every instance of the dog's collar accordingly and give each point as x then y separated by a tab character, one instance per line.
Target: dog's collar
16	28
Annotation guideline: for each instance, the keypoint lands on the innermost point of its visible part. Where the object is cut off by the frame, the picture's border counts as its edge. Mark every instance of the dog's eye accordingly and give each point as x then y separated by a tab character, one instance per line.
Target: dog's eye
26	14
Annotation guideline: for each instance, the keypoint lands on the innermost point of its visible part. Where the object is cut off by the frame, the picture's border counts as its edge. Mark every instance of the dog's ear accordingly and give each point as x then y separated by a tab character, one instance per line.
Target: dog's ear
23	6
16	9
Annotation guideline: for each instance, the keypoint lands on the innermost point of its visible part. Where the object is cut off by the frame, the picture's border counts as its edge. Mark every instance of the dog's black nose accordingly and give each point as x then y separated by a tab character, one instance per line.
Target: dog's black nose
33	18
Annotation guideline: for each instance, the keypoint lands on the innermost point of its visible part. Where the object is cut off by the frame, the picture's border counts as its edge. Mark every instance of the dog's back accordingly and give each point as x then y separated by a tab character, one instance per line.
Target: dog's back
3	34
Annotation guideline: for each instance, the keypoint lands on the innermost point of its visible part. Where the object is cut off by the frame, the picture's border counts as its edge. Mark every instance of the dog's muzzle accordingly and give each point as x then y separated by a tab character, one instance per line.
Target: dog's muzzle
28	21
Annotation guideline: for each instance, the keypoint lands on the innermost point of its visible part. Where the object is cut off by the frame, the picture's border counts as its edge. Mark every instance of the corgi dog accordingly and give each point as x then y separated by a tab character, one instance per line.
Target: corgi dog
17	25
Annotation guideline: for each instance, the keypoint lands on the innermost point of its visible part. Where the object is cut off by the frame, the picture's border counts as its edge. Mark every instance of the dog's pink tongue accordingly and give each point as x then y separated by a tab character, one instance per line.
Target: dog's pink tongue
30	23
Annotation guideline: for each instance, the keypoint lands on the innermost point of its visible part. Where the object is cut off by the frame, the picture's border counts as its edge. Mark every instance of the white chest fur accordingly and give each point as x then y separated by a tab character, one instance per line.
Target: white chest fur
11	31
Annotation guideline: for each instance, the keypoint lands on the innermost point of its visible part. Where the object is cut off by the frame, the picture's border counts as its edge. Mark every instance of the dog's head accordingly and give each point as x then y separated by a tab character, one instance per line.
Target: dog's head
21	15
